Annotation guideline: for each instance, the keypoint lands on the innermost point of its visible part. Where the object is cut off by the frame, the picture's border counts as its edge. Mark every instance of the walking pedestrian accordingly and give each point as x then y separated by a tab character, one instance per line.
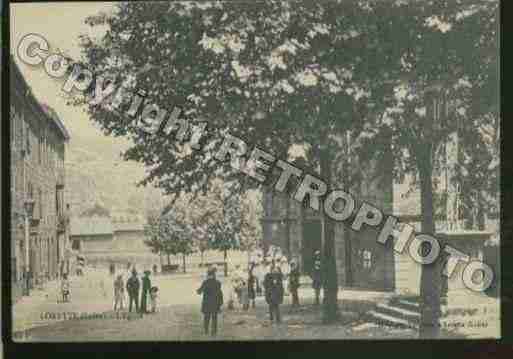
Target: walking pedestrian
132	287
274	293
119	292
316	276
146	286
294	283
212	301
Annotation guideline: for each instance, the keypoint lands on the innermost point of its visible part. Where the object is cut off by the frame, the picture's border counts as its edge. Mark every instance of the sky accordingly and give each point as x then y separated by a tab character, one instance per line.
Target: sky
60	24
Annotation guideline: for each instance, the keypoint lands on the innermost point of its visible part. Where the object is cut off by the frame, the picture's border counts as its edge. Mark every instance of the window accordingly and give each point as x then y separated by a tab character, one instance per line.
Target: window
367	259
75	245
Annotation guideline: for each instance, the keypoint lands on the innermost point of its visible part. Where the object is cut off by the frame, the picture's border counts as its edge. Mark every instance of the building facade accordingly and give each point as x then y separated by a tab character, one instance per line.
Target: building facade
361	261
38	225
104	235
91	234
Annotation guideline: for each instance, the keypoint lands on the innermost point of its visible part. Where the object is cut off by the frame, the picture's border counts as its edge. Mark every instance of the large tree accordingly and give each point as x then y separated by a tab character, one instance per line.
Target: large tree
278	74
170	234
274	74
441	80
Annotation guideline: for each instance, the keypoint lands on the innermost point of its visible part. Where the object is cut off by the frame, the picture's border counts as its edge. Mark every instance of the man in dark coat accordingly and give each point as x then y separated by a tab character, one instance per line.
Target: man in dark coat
132	288
273	284
146	286
212	300
294	283
316	276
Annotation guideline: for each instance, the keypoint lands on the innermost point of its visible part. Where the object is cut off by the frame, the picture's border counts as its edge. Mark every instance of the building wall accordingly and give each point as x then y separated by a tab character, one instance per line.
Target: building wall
375	186
93	244
129	241
37	152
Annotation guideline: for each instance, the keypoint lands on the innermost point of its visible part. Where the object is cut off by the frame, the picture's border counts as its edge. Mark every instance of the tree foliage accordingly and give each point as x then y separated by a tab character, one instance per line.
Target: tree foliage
279	73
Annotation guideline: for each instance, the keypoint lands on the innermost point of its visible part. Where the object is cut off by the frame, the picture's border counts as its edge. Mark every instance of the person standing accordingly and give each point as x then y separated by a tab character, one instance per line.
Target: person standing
273	283
112	269
316	276
154	297
285	270
146	286
252	280
259	276
132	288
211	302
65	288
266	269
294	283
119	292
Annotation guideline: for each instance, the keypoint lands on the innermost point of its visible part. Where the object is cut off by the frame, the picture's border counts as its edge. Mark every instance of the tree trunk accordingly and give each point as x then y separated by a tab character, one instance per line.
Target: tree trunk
431	277
168	259
481	218
225	263
329	272
183	261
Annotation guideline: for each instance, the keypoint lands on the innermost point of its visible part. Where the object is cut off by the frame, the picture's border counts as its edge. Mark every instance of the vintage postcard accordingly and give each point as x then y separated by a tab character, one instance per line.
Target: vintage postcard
229	170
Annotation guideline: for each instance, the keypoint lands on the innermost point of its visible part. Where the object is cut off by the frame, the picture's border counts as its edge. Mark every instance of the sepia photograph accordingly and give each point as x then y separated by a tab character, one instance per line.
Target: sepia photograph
254	170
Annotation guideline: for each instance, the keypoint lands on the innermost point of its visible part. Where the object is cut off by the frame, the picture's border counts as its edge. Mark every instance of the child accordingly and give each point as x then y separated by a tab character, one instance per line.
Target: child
119	292
65	288
153	299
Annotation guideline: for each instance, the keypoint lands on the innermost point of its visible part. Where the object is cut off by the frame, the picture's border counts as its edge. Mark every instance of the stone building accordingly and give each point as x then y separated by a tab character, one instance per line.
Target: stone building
129	235
101	234
38	226
91	234
361	261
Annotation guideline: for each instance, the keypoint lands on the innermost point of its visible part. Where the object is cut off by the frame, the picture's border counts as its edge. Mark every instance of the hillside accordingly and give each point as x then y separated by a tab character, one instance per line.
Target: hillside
95	173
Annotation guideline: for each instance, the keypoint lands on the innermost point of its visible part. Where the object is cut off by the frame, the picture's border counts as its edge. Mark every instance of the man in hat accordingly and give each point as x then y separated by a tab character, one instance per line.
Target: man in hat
146	286
132	288
211	302
294	283
274	293
316	276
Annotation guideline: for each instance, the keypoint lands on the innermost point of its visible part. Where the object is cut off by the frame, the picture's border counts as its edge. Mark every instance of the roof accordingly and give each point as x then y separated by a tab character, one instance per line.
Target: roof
49	112
90	226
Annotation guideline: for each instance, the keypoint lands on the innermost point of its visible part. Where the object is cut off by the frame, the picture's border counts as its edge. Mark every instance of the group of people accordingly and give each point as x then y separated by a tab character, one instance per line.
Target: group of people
272	276
148	292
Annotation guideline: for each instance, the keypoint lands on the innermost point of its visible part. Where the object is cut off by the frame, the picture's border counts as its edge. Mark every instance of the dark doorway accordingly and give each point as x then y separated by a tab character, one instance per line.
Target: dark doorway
311	242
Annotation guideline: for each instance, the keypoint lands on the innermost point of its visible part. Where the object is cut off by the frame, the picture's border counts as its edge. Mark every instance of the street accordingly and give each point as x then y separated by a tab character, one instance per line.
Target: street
178	317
